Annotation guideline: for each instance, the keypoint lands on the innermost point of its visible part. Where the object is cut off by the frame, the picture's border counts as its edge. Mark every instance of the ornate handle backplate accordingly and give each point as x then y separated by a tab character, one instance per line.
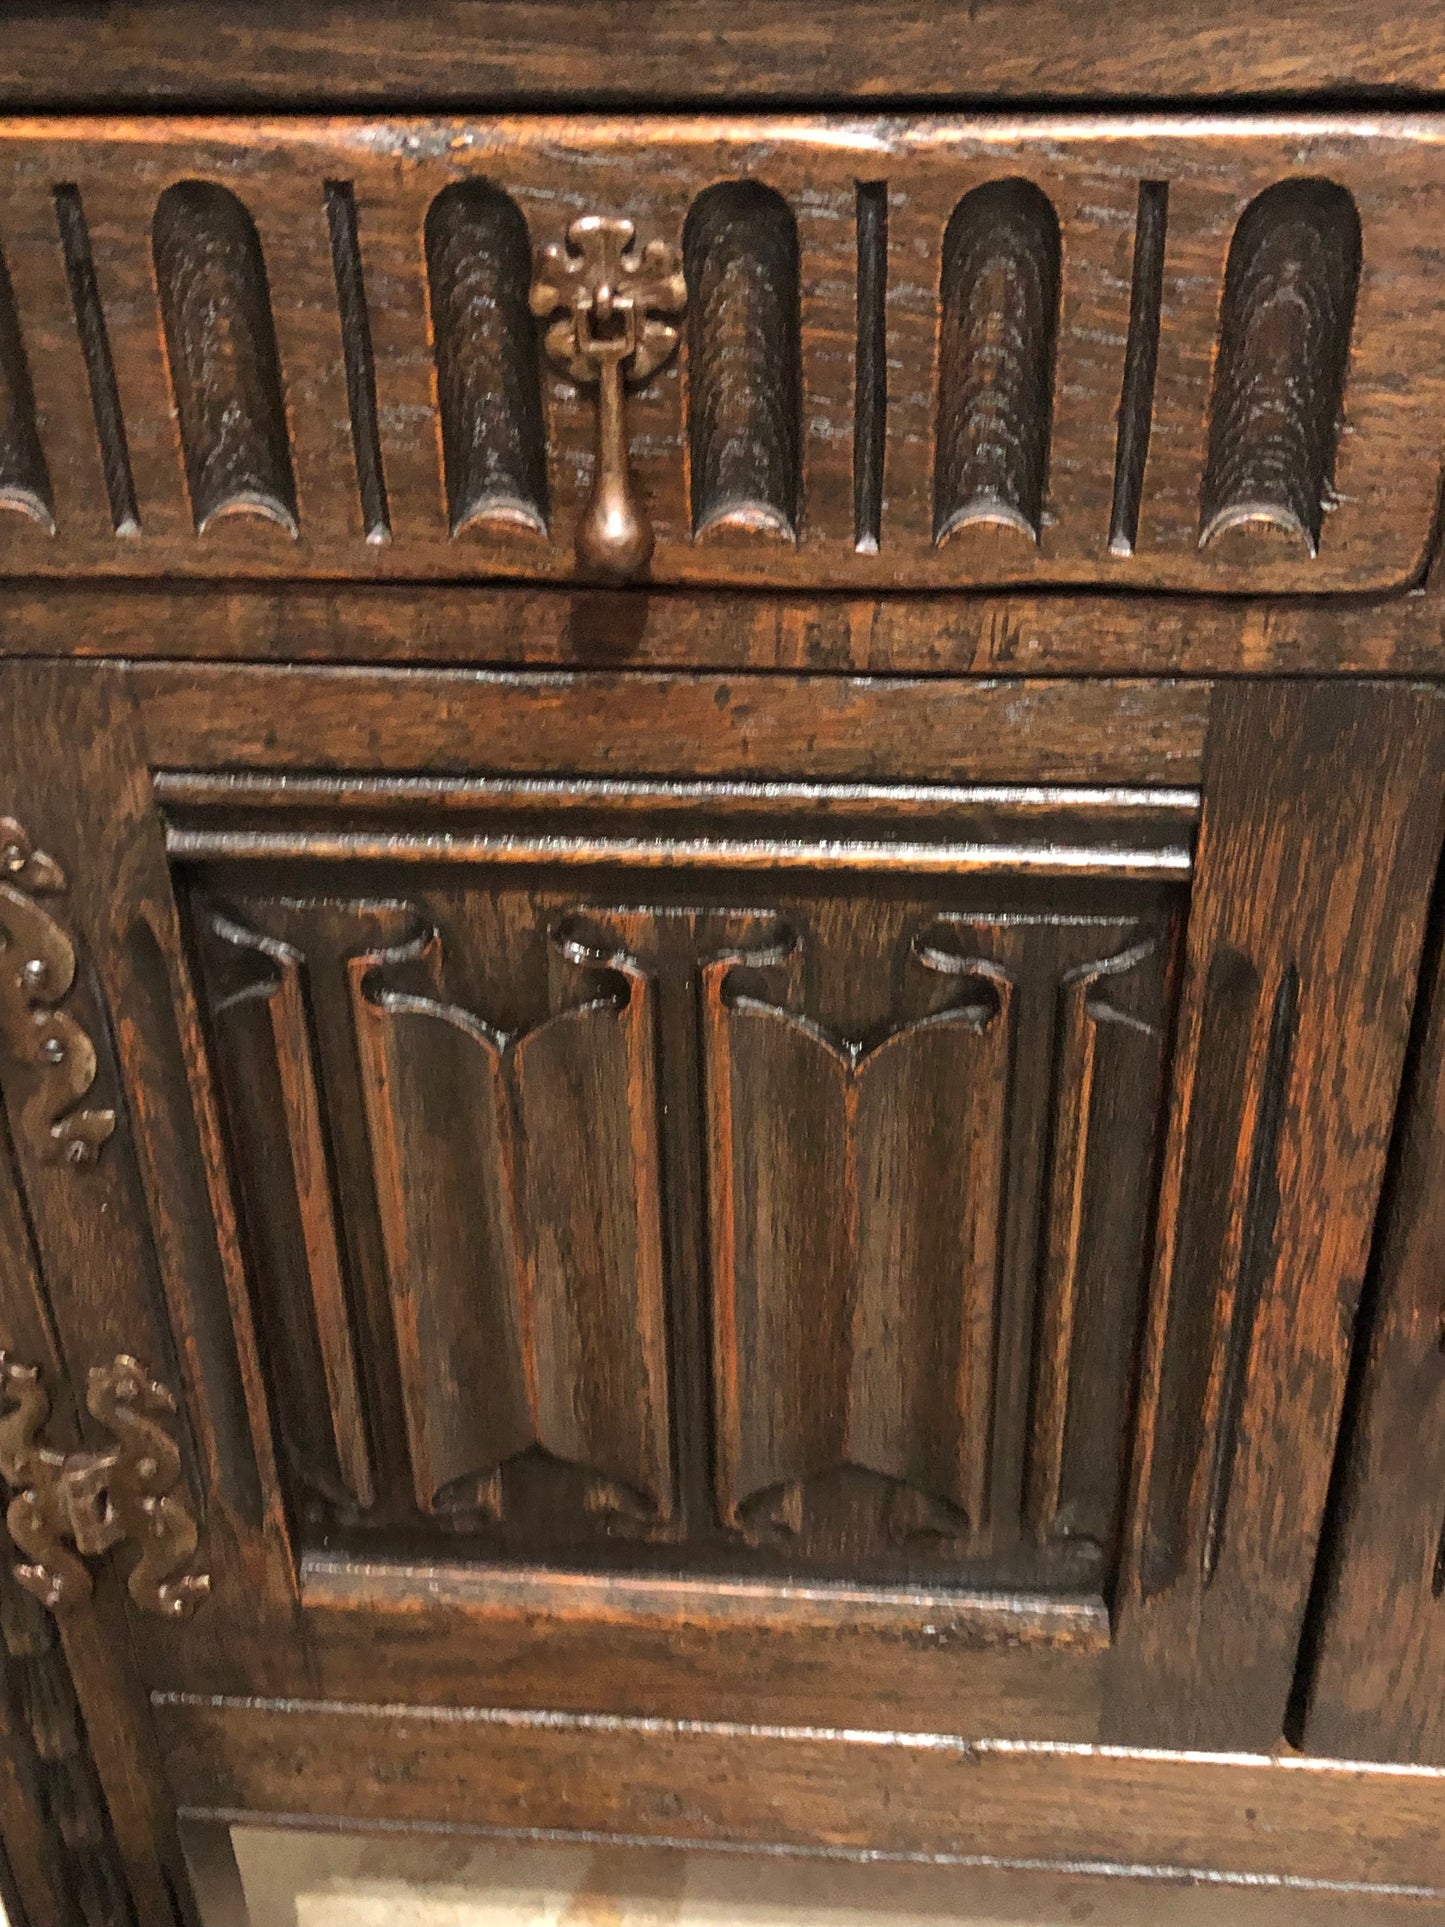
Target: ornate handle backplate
98	1500
611	295
37	970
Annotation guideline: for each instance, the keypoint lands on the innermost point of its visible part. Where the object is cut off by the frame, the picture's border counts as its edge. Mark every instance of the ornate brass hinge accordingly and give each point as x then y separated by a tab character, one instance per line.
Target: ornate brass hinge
611	294
98	1500
37	969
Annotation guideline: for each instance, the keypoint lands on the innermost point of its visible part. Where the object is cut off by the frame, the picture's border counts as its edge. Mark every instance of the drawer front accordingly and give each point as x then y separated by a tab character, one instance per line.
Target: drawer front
909	352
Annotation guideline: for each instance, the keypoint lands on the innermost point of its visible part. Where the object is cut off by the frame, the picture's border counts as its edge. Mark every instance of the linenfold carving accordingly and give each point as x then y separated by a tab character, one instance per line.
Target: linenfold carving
37	971
98	1500
899	1219
516	1180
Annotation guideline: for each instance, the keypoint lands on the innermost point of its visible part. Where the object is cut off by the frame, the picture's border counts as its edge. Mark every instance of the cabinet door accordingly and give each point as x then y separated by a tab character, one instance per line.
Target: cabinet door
1377	1689
669	1200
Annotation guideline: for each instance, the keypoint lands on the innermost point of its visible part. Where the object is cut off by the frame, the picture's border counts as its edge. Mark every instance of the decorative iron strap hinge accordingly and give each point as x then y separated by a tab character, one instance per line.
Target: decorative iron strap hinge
37	969
98	1500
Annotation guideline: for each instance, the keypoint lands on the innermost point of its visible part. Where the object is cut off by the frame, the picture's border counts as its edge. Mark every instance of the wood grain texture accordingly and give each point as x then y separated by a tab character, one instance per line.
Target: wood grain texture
225	371
523	1248
360	359
740	255
90	326
1373	1690
789	420
998	318
550	1295
1141	365
267	1067
184	51
706	1647
479	268
1289	305
24	477
49	1757
148	1259
880	1277
827	636
865	729
1305	932
79	1758
1248	1816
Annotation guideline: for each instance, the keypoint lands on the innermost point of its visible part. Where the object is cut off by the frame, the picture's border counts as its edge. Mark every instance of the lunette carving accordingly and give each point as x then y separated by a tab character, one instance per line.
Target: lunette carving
999	297
611	295
744	366
1284	347
225	369
37	971
488	381
98	1500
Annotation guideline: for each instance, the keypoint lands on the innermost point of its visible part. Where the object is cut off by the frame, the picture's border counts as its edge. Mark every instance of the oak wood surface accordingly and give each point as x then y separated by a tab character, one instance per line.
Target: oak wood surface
1373	1688
1247	1815
256	52
638	629
237	420
882	1082
1305	935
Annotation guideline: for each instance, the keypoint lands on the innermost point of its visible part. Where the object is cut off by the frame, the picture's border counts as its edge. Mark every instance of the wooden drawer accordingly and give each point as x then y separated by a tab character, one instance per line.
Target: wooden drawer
917	352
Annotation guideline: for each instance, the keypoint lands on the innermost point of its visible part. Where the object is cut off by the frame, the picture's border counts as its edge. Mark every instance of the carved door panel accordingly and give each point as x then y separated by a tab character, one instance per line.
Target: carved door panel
728	1232
897	1114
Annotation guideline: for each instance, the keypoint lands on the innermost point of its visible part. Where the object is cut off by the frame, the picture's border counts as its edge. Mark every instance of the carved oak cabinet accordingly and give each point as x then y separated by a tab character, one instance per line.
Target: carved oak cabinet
721	1034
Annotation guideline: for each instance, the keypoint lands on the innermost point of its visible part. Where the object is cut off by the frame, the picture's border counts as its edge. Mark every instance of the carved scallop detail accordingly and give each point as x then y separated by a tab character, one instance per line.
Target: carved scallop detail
24	478
1289	305
225	370
479	271
999	305
740	256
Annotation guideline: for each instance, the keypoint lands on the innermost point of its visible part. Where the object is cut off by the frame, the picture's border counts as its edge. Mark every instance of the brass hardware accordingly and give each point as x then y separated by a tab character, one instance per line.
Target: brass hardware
98	1500
37	970
611	294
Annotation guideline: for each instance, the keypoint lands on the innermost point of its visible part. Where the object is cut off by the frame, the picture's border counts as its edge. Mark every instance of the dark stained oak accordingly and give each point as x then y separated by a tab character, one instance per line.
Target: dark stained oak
1283	445
794	1205
1323	813
1374	1692
257	53
1253	1817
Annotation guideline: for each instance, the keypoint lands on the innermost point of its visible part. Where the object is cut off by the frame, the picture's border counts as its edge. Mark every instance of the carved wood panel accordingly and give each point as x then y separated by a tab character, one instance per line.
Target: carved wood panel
921	353
928	1234
657	1217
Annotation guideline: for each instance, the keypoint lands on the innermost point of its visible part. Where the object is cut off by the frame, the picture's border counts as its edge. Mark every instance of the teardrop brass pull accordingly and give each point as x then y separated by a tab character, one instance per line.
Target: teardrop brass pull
610	294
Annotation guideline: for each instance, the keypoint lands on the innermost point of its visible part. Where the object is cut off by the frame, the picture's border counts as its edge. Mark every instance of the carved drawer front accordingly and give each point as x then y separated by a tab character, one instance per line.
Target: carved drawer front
1199	356
609	1198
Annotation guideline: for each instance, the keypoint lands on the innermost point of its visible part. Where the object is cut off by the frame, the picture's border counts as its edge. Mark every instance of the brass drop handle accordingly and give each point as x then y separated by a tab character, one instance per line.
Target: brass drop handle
610	295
